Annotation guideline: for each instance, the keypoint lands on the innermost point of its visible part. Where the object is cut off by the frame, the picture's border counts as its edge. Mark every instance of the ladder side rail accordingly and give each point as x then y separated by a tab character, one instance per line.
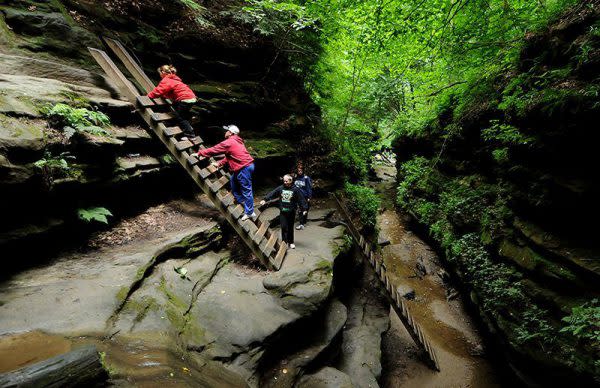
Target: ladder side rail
131	92
374	261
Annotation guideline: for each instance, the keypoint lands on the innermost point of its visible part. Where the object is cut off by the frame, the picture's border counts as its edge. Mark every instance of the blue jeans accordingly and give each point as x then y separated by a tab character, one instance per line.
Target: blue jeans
241	187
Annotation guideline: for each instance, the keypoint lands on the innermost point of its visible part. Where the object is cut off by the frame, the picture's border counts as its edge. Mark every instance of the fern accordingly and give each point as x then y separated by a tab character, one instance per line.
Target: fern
94	214
61	115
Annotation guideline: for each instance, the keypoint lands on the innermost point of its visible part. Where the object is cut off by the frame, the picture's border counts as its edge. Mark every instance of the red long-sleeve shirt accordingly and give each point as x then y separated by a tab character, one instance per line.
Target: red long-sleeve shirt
173	88
236	154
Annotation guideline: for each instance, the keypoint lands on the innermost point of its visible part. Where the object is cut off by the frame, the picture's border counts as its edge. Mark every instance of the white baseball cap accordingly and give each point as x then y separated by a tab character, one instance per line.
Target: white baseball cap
232	128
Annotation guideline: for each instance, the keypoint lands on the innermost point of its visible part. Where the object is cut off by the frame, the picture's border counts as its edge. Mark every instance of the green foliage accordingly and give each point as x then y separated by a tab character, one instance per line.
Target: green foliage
364	201
56	163
504	134
75	99
61	115
379	68
98	214
167	159
417	178
584	322
535	327
56	166
500	155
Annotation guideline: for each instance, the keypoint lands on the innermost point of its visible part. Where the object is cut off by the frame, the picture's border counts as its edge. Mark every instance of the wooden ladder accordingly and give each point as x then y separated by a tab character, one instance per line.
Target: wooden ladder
395	299
258	236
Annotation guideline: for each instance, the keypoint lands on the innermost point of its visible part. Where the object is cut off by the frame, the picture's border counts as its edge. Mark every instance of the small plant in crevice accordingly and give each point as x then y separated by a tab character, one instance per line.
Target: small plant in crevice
72	120
98	214
54	167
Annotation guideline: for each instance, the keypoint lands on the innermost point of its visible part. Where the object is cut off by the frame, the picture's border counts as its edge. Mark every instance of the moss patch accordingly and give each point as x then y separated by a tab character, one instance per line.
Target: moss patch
269	148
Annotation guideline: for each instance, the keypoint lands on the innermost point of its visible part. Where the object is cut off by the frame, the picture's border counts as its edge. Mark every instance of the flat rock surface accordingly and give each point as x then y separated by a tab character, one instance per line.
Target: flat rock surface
326	378
217	310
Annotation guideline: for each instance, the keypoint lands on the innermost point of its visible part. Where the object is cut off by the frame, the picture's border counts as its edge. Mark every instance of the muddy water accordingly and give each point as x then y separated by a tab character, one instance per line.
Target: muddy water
132	363
19	350
452	332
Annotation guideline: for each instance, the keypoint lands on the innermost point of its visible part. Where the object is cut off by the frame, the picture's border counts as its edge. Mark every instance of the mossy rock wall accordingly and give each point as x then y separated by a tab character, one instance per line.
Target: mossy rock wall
514	192
45	61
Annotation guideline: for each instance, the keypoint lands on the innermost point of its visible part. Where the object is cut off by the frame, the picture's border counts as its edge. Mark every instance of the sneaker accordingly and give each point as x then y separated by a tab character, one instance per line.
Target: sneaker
300	227
293	246
184	138
246	216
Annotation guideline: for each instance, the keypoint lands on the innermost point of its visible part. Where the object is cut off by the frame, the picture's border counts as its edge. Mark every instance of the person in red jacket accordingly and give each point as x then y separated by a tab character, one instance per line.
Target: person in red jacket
182	97
241	165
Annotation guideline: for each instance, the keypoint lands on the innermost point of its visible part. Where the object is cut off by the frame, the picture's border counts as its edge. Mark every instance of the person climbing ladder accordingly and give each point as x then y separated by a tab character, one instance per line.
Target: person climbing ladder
290	197
241	165
183	98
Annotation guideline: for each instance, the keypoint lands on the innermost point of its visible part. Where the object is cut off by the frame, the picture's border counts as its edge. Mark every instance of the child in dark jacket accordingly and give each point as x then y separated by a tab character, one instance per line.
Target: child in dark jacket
304	183
289	198
183	98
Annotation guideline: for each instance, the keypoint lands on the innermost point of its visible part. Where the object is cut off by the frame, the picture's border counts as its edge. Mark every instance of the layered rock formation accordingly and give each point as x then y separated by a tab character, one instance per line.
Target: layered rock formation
44	61
505	182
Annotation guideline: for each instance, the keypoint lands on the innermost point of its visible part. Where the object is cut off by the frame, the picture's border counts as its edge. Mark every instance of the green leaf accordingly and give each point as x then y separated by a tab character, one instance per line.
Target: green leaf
94	214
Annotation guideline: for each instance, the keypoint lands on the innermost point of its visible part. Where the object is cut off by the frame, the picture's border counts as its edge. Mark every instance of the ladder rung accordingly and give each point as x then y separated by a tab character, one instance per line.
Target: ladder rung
172	131
260	232
146	102
246	225
226	199
252	228
270	245
183	145
236	211
204	173
193	159
218	184
196	140
280	254
162	116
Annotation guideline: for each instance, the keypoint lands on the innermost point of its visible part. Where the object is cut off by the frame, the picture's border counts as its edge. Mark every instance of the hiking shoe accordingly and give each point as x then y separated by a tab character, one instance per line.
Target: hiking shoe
247	216
300	227
293	246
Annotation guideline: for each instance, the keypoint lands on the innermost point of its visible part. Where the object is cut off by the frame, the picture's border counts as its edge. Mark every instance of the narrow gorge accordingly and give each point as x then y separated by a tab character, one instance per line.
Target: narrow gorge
458	133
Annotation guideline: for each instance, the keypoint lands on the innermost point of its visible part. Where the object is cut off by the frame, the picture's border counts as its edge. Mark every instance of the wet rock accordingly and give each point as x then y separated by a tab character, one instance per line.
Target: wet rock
137	162
78	294
406	292
326	378
451	294
314	343
383	241
320	214
219	314
56	30
443	275
368	320
11	174
41	68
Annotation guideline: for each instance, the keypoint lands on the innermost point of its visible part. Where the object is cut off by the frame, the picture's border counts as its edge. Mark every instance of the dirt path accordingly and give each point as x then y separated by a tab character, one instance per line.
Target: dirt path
436	306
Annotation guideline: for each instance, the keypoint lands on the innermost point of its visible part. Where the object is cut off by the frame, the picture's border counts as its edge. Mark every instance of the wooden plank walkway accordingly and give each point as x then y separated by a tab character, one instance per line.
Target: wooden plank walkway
262	240
396	301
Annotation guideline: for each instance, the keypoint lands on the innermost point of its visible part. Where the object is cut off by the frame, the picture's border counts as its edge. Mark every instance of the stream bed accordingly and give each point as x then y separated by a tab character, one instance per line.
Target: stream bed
415	268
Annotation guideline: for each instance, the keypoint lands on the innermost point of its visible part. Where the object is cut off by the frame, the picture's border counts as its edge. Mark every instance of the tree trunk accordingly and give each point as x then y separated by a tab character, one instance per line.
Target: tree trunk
81	367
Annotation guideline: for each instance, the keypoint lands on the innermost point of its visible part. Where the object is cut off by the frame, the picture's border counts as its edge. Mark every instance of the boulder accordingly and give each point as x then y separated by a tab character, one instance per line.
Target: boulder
220	314
368	320
318	337
326	378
